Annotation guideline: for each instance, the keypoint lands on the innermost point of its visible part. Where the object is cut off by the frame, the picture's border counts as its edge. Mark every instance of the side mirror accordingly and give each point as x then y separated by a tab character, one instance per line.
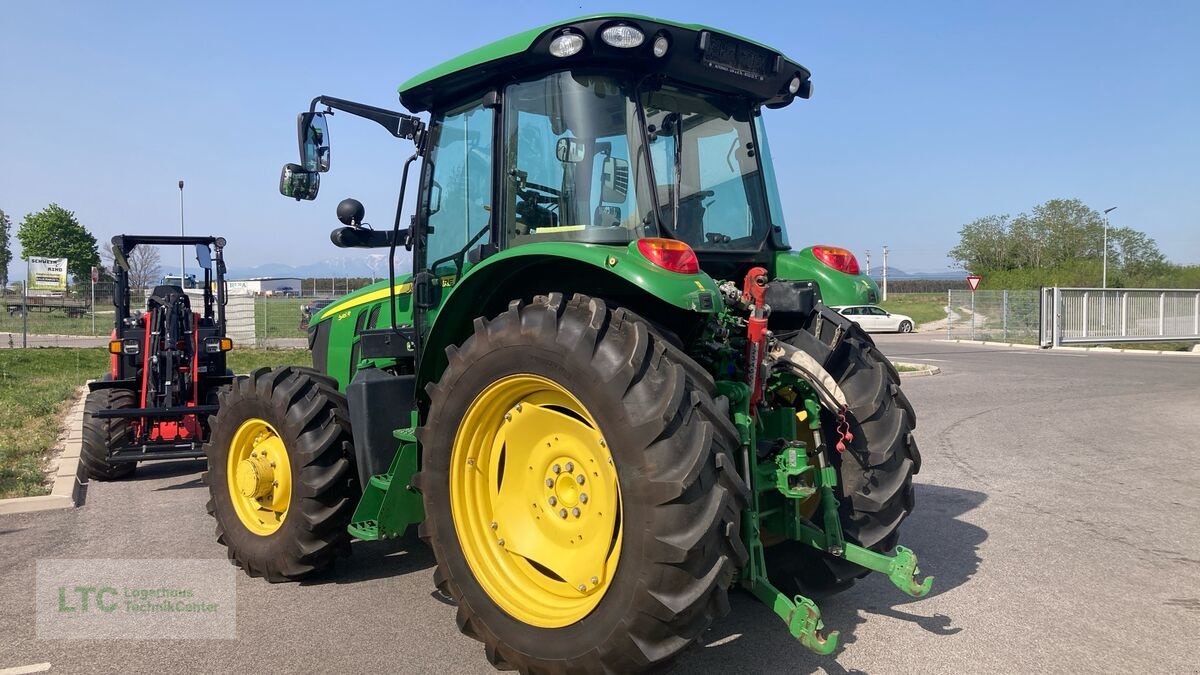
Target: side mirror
607	216
614	180
204	256
313	132
119	259
569	150
299	184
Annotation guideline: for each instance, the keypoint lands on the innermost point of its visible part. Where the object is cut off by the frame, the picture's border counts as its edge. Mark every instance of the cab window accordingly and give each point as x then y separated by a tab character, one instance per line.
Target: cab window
458	185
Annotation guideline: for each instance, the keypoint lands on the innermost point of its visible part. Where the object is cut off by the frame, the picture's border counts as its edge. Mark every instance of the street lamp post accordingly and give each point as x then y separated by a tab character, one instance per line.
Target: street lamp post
1104	265
182	263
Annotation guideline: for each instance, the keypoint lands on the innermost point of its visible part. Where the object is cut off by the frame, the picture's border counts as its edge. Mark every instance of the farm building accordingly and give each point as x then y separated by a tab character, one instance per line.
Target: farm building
265	286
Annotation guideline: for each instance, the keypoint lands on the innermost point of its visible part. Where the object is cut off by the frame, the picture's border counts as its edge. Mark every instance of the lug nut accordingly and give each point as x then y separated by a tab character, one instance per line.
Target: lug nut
549	482
582	497
602	443
518	407
553	500
595	581
570	467
507	417
575	512
579	479
557	469
500	542
493	524
582	588
562	513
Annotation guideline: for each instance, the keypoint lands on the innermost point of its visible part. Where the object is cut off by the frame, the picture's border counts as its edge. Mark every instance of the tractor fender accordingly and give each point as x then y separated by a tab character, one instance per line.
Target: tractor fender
620	274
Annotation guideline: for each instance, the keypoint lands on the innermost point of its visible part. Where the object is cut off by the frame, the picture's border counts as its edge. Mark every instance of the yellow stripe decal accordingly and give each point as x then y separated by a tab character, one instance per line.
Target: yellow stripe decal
380	294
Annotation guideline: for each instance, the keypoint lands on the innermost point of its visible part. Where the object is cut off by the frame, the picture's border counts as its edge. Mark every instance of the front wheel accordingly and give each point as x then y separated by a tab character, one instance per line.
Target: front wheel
281	481
102	435
581	497
906	326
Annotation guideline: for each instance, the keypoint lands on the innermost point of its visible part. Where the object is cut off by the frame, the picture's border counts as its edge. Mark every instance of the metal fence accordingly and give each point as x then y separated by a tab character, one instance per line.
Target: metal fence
1005	316
1095	315
71	320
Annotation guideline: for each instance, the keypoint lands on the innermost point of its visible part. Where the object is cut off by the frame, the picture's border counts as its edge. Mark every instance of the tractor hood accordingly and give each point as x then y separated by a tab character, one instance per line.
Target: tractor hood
688	53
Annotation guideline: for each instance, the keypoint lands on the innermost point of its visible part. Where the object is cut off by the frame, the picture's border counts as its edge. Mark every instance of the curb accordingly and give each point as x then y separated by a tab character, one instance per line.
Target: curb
1068	348
925	369
70	481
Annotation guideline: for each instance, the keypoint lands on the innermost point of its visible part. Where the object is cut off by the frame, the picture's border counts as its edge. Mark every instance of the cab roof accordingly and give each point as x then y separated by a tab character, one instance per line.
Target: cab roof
739	65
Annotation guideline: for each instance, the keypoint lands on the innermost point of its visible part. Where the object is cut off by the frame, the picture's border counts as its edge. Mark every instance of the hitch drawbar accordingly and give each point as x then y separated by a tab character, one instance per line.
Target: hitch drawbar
799	473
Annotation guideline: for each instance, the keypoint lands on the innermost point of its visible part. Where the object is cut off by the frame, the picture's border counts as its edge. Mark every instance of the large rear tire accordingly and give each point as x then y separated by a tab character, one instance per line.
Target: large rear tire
875	487
281	479
601	386
100	436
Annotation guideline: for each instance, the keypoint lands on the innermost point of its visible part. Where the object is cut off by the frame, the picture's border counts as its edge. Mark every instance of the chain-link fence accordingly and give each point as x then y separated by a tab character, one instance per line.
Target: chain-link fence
1002	316
71	318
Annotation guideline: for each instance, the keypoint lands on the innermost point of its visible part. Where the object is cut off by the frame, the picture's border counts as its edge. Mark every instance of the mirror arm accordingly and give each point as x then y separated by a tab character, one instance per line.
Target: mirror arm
398	124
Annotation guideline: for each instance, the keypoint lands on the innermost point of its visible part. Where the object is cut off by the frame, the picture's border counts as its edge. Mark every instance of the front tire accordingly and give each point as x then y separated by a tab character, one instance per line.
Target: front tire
101	435
599	386
281	480
875	473
906	327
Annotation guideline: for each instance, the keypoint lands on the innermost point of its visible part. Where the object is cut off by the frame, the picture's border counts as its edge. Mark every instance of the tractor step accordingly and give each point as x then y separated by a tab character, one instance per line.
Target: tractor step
383	512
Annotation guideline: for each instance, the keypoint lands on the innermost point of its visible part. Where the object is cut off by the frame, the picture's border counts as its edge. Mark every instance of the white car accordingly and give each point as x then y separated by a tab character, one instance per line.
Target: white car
877	319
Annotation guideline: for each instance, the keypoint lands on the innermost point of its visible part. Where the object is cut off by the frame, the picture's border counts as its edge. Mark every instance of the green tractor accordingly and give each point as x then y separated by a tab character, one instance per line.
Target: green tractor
610	391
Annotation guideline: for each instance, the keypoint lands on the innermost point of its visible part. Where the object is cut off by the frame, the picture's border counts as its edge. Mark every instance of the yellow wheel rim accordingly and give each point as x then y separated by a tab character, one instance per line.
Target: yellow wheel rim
536	501
259	477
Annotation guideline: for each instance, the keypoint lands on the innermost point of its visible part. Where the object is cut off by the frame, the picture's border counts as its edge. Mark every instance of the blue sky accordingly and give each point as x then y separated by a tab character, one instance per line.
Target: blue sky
925	116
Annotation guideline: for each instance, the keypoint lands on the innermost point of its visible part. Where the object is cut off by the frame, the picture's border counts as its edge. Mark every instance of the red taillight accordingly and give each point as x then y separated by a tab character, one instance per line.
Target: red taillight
836	257
670	254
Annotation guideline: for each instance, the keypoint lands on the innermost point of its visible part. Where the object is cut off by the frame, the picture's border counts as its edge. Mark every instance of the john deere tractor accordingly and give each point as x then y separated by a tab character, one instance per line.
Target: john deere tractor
610	391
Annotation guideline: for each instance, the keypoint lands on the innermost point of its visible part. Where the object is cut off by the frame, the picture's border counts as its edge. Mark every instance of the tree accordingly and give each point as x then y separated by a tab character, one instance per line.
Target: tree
1059	235
54	232
5	248
145	264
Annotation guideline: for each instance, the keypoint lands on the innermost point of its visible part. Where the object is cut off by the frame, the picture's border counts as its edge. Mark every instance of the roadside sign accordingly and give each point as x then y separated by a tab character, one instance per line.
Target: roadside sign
95	274
47	274
973	280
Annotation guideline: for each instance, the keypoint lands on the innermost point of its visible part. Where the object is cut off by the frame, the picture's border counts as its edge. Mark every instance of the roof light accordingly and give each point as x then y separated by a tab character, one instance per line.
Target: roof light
623	37
669	254
794	85
661	45
567	44
836	257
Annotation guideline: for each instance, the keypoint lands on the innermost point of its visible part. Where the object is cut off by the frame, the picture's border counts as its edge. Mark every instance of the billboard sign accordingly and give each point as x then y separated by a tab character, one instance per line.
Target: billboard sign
47	274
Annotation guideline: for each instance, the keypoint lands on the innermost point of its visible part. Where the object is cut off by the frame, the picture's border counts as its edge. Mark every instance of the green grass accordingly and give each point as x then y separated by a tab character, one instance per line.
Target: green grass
922	307
38	385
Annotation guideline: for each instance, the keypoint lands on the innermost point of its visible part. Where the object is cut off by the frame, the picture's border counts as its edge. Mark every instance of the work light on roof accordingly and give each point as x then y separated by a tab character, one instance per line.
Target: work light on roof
567	44
794	85
622	36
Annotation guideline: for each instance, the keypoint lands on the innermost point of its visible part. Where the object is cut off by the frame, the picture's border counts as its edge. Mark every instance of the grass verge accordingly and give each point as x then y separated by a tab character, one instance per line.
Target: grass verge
922	307
37	386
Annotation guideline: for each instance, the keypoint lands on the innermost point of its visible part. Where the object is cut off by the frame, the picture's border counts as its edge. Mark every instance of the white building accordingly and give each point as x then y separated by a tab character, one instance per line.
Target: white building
264	286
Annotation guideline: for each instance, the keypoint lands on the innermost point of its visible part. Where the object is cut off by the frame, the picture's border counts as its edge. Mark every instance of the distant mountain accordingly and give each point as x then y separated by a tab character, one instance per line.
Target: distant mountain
331	267
897	273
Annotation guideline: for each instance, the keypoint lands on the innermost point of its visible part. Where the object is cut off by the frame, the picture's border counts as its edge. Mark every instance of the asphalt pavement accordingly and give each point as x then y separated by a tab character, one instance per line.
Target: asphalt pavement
1057	509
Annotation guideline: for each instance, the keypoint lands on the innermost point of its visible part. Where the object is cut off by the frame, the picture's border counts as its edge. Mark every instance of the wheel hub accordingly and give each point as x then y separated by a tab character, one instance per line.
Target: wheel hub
254	477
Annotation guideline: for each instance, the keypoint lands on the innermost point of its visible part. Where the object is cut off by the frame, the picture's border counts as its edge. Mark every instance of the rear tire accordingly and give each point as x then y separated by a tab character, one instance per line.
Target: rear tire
100	436
680	496
313	425
875	487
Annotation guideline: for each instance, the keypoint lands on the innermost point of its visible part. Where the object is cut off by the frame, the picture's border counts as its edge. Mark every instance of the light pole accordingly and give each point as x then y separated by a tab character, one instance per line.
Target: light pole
1104	265
182	263
885	254
868	262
